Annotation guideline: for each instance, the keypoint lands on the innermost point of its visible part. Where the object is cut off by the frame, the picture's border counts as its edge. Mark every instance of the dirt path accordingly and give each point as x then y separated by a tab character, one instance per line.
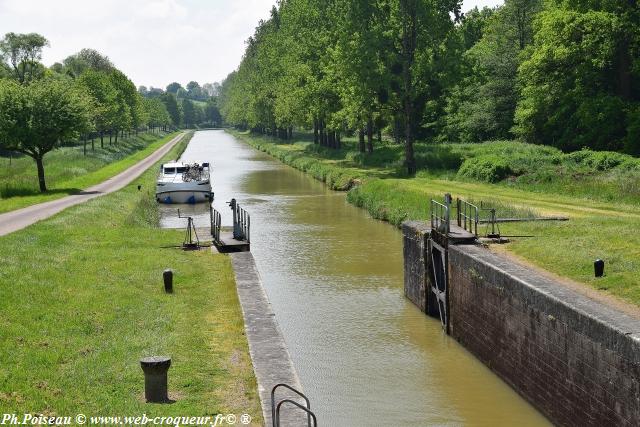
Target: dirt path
21	218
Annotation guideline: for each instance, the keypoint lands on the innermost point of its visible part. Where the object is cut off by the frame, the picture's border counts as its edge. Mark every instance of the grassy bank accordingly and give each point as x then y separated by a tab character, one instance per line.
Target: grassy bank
596	190
68	170
82	302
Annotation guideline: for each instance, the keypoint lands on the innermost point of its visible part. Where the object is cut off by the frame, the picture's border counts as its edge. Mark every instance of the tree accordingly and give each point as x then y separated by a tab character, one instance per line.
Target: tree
483	105
188	113
86	59
174	87
212	113
194	91
577	82
419	28
104	97
24	52
156	112
171	104
37	118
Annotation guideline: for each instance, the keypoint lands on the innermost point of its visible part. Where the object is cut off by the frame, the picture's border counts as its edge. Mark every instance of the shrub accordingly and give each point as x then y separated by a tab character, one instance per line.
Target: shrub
601	160
485	168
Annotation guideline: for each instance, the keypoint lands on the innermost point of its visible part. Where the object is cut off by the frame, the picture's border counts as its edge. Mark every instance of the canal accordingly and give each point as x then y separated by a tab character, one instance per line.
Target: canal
365	355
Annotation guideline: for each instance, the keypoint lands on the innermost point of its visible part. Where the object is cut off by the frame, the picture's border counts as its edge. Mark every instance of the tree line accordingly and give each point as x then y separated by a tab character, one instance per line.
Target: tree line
555	72
82	98
189	107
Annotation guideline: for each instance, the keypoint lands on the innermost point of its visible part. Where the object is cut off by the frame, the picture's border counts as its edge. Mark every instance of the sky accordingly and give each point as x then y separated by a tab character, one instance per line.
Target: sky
154	42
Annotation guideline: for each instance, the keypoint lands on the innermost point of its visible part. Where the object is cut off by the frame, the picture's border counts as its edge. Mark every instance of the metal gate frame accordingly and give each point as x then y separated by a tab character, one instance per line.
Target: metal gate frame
439	264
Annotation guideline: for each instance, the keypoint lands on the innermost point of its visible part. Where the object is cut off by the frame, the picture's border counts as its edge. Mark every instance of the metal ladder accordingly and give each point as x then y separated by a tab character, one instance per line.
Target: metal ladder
275	407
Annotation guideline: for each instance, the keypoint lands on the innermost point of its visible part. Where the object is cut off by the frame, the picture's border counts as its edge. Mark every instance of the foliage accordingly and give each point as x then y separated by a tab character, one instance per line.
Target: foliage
86	59
23	51
485	168
37	118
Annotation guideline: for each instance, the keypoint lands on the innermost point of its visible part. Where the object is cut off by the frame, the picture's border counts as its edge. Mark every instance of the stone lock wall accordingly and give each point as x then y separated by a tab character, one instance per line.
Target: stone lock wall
575	359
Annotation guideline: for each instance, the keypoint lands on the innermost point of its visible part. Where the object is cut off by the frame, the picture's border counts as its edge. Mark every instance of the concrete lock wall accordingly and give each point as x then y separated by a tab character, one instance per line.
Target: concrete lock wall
575	359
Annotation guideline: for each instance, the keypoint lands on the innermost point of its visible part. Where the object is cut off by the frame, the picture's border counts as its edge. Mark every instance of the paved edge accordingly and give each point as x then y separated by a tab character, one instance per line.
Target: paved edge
21	218
271	360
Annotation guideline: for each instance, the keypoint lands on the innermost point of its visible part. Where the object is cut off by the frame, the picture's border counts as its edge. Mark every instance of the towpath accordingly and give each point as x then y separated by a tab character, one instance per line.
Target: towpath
21	218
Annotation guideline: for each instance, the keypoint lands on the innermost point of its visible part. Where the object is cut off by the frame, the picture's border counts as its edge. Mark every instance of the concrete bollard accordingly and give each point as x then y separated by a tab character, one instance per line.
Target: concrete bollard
598	266
167	277
155	378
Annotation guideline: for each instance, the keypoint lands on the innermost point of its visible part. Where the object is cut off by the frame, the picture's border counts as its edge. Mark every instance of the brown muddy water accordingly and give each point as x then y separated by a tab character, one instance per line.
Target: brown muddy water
365	355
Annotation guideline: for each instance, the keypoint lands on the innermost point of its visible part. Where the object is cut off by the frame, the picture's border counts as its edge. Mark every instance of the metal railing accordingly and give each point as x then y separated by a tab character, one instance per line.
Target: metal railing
440	217
241	222
216	223
275	408
467	216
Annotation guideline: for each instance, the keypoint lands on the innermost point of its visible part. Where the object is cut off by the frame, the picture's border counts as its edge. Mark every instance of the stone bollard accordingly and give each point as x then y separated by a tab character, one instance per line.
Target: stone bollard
167	276
155	378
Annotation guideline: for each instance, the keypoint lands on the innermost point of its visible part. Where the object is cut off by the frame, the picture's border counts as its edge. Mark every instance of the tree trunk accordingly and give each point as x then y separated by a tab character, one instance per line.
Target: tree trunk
84	145
370	134
315	131
290	133
110	135
624	71
338	141
379	136
409	38
116	139
41	179
361	146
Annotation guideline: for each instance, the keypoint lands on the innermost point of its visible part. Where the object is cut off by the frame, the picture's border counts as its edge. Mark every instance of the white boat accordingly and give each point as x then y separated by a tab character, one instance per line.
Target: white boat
180	182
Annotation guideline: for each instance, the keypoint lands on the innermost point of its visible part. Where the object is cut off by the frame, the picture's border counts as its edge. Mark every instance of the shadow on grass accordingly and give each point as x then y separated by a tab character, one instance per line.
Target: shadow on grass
10	192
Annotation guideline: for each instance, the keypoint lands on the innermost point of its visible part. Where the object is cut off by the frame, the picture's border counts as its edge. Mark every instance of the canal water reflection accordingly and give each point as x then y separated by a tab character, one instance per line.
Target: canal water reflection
365	355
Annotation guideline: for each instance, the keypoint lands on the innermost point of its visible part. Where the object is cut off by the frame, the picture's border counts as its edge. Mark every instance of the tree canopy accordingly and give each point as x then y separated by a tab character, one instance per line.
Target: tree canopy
557	72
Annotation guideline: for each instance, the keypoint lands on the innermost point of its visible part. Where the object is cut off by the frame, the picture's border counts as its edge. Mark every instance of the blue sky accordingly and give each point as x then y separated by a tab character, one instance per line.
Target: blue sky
154	42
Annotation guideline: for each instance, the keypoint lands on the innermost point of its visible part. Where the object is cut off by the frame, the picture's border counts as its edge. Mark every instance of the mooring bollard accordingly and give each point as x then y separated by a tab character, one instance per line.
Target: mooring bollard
155	378
598	266
167	276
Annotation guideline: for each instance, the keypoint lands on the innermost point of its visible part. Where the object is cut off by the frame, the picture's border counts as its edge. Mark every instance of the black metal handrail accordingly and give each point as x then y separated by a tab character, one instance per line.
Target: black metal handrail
216	223
276	411
307	410
440	217
241	224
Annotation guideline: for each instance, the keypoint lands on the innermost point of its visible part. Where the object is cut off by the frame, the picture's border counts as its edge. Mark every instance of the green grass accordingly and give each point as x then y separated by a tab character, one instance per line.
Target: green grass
597	191
69	171
83	301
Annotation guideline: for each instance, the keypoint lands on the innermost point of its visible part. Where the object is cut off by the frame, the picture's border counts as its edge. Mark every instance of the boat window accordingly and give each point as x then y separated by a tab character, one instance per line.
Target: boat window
169	171
181	170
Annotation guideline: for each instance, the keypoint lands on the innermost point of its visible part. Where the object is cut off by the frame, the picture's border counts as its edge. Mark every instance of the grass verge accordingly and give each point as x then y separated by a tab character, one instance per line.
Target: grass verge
69	171
82	302
598	228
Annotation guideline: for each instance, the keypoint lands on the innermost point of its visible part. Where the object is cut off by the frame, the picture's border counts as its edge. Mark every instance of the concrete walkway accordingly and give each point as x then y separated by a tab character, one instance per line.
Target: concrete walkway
271	361
21	218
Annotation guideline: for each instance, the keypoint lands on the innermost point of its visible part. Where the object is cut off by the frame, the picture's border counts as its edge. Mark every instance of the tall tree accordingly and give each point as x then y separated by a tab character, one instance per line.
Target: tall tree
37	118
578	81
172	107
87	59
174	87
23	52
104	97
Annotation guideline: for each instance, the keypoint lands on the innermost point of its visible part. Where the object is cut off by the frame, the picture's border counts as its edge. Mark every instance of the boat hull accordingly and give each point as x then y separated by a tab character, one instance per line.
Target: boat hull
183	193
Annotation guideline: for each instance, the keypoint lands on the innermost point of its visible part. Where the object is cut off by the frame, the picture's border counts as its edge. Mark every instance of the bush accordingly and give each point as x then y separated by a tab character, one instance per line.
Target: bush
601	160
485	168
